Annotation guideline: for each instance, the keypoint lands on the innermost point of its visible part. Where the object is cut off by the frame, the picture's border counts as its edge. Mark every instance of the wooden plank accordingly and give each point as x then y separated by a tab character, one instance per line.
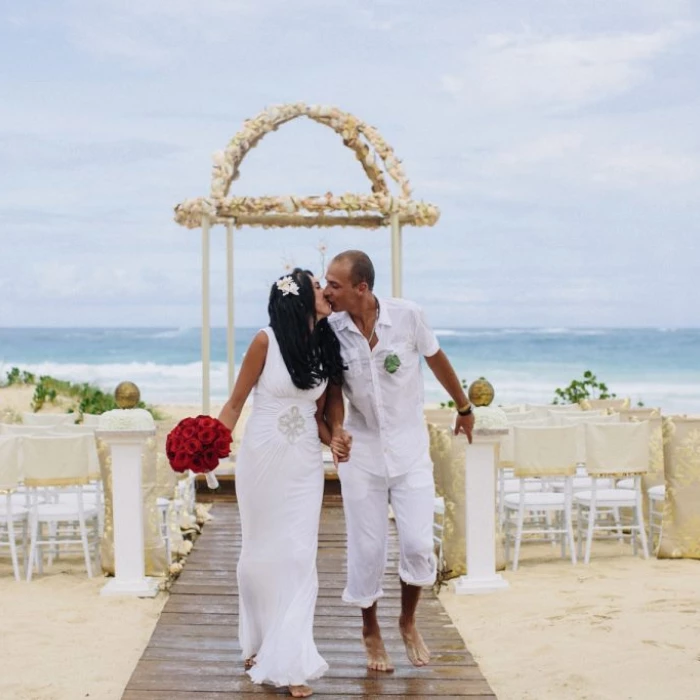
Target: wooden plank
268	692
194	654
371	684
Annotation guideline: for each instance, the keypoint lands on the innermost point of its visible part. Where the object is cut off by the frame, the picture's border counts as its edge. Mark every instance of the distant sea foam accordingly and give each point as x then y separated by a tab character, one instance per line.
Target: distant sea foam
660	367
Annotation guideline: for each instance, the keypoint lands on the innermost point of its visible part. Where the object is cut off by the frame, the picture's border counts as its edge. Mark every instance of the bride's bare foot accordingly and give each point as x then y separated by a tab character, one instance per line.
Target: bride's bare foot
249	663
300	691
416	650
377	658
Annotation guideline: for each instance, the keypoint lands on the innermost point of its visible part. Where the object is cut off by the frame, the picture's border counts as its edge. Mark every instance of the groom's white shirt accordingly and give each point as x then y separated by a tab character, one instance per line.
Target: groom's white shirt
385	412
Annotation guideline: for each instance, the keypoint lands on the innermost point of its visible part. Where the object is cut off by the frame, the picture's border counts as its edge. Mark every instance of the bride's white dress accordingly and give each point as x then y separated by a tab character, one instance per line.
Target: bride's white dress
279	486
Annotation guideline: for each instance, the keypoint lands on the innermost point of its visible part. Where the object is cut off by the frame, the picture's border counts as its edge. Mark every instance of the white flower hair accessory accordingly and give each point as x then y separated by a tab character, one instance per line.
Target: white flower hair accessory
288	286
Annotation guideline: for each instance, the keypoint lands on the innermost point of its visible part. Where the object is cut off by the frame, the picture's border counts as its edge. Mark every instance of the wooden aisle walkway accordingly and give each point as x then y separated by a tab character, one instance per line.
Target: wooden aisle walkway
194	654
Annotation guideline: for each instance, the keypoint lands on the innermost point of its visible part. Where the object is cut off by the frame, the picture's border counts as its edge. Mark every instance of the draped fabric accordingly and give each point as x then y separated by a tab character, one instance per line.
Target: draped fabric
680	538
156	563
449	454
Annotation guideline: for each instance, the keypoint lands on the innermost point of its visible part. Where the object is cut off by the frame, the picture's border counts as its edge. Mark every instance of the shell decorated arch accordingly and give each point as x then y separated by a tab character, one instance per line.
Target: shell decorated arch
370	210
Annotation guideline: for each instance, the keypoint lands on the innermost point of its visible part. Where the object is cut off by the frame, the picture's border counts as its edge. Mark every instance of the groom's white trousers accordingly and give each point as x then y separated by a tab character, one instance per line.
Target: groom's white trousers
365	502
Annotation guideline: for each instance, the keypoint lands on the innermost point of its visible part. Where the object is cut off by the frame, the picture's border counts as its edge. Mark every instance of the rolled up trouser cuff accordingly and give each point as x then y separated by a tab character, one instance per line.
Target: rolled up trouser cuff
411	581
364	602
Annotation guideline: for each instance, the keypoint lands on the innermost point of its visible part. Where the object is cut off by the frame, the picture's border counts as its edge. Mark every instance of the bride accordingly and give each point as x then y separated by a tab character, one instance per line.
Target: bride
279	482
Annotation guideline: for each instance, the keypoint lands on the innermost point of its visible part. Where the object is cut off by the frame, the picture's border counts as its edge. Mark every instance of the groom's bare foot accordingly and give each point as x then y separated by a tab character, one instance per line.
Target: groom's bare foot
300	691
416	650
377	658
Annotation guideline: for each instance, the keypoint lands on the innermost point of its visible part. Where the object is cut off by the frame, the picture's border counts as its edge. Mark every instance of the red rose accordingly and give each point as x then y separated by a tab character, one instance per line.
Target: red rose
196	463
173	444
223	446
207	436
208	455
188	432
206	422
193	446
210	465
181	462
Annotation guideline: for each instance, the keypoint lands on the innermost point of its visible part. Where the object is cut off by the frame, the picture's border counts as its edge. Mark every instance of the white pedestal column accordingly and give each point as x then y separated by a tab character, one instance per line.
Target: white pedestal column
129	568
480	506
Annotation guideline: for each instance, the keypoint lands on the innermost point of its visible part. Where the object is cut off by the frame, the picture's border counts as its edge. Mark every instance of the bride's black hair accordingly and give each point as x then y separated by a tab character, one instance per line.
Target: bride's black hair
310	349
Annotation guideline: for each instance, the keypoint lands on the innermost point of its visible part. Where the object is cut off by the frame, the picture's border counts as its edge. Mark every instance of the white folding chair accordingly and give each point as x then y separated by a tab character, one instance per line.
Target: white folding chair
48	419
513	408
93	493
542	451
62	463
19	429
605	404
12	514
542	410
507	483
613	451
580	421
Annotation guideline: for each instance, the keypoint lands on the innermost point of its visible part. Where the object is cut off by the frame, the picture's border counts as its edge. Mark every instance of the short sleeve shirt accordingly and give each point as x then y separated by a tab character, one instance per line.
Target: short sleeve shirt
385	408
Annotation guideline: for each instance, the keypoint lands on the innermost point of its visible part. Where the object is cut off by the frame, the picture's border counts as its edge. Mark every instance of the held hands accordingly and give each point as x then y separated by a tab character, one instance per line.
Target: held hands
465	424
341	442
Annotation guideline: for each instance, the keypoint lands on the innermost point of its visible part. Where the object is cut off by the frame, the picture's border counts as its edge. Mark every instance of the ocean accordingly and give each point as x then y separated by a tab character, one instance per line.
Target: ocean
659	367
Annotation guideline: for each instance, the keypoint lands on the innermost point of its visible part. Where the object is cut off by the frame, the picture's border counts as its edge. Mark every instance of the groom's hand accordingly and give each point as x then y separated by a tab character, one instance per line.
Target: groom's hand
465	424
341	442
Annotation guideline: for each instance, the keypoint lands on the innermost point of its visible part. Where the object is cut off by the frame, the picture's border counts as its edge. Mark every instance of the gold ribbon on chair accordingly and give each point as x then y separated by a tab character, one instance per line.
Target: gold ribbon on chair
680	535
154	548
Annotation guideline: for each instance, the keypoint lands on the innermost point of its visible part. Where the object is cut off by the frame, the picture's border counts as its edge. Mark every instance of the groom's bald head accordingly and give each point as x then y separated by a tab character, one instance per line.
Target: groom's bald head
360	267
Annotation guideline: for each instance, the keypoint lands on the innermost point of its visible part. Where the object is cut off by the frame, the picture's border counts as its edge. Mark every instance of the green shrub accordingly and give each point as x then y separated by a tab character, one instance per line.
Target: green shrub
587	388
18	377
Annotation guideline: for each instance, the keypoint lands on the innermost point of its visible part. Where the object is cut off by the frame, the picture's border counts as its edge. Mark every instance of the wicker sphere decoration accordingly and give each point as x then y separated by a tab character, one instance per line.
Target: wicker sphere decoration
481	392
127	395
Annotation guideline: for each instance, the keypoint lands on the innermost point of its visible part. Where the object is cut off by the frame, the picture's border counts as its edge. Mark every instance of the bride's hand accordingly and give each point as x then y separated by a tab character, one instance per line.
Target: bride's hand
341	443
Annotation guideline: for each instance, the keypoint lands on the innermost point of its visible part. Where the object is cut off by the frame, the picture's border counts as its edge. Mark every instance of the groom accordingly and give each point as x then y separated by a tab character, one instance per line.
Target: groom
382	341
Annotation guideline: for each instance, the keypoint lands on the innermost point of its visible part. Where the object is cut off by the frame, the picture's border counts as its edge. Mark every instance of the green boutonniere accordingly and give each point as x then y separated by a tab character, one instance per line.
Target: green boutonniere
392	363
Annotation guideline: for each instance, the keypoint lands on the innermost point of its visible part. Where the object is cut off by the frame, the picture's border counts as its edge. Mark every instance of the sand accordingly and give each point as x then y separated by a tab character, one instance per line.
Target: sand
61	640
620	628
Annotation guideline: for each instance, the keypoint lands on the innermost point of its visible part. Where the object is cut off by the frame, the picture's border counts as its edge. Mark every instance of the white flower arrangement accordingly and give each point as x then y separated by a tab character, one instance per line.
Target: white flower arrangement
288	286
369	211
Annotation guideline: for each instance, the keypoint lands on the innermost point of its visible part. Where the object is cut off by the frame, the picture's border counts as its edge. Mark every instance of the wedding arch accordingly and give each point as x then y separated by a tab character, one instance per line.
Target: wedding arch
377	209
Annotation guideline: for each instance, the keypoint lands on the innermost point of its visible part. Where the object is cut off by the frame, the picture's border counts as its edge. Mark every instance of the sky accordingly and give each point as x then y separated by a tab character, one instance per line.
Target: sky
559	138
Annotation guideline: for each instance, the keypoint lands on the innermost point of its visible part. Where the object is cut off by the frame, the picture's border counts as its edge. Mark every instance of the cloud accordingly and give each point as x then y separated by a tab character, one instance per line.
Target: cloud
26	151
633	167
153	33
556	72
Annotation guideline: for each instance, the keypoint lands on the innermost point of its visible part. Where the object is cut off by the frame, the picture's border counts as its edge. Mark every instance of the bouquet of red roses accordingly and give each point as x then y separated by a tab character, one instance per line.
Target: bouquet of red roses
198	444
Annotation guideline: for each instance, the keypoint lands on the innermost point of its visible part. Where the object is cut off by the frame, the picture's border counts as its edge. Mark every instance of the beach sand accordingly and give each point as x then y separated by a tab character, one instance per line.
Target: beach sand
61	640
619	629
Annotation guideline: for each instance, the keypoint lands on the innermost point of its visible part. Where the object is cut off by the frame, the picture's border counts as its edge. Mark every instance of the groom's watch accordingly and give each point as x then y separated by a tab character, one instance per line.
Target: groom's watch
465	410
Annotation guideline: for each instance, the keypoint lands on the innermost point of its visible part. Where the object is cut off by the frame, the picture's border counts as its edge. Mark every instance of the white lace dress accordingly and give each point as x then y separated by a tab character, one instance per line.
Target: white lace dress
279	486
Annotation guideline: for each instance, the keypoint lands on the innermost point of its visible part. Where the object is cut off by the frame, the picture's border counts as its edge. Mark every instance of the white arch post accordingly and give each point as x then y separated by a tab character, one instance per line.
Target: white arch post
230	309
206	320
